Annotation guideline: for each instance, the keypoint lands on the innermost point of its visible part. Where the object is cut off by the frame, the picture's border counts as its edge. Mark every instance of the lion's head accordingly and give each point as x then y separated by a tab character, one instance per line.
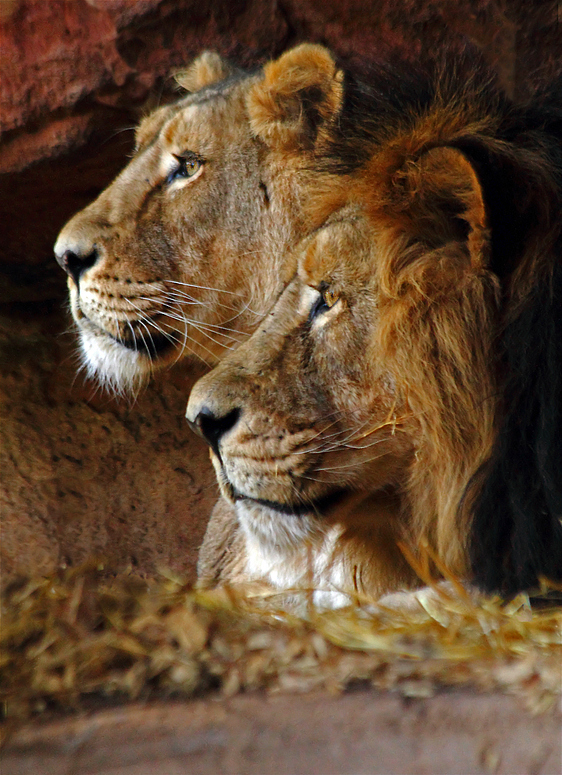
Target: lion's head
182	251
373	402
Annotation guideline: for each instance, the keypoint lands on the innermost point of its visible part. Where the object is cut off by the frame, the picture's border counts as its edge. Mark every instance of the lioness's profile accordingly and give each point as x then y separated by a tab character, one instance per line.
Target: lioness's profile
407	383
183	250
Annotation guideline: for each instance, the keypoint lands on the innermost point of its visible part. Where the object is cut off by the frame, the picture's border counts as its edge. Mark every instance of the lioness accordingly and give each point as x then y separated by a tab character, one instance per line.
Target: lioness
182	252
406	384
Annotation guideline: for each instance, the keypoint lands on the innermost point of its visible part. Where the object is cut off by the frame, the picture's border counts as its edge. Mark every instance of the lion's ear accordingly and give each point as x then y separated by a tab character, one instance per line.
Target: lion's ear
446	202
208	68
301	92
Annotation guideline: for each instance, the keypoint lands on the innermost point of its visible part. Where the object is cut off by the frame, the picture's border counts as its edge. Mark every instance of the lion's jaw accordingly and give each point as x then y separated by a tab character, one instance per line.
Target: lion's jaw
293	553
116	368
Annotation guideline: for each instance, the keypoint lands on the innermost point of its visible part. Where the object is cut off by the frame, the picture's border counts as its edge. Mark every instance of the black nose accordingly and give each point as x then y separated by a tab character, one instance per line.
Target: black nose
75	263
211	427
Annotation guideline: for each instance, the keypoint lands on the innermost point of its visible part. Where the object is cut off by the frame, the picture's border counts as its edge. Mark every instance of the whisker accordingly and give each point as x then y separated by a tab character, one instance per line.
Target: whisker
203	287
183	347
185	298
205	333
190	300
181	295
132	334
197	324
325	443
147	348
169	335
245	308
329	469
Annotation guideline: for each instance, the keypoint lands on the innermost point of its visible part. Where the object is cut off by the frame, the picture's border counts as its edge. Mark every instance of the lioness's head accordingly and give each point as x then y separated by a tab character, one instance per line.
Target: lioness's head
181	253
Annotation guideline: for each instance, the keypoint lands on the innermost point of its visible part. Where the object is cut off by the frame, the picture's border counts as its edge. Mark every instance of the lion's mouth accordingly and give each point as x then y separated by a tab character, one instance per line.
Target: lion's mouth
153	344
319	506
301	506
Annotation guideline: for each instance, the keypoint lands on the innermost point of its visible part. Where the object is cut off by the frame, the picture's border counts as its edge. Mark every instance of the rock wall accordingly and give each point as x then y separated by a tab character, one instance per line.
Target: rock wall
84	474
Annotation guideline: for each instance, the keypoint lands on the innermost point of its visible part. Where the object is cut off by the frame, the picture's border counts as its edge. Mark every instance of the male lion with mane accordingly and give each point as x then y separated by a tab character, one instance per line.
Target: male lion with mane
407	383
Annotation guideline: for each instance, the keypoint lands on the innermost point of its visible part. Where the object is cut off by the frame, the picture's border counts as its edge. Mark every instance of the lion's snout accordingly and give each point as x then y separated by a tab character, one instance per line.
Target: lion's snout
212	411
75	263
76	249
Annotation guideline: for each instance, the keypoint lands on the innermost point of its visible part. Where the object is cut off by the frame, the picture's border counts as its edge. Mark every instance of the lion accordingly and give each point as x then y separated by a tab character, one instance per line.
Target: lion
181	254
405	388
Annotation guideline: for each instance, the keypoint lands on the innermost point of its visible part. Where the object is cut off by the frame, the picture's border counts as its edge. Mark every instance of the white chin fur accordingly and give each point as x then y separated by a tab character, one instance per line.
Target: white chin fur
113	366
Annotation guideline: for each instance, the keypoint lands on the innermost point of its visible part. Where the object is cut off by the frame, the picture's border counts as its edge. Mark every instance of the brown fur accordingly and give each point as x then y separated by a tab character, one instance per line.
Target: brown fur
438	294
397	351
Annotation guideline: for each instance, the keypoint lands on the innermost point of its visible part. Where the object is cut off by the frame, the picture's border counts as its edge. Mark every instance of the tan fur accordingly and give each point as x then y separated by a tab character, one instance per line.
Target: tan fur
387	393
281	103
208	68
185	266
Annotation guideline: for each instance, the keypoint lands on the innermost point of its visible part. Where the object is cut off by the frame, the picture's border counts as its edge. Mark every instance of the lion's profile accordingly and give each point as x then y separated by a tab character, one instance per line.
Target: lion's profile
408	381
182	252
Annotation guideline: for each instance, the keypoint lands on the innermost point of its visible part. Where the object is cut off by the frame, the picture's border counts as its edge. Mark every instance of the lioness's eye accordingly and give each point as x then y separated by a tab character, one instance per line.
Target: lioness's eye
187	167
325	301
330	297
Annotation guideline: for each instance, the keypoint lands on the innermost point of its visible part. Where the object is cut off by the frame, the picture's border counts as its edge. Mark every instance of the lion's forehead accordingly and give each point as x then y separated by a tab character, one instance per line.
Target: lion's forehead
212	114
205	128
234	84
151	125
342	252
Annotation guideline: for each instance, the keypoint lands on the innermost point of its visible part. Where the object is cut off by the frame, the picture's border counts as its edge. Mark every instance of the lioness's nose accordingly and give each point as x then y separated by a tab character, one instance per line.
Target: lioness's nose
211	426
75	262
77	246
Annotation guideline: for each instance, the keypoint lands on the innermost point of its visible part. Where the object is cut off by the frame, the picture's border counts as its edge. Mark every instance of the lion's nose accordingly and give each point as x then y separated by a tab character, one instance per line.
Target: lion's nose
75	262
212	427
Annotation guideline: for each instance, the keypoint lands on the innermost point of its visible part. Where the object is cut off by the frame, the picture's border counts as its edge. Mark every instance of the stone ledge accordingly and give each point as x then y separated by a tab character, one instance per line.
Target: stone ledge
458	733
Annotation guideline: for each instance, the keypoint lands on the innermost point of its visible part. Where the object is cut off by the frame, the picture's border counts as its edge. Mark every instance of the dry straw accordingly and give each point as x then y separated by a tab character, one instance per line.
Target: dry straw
77	635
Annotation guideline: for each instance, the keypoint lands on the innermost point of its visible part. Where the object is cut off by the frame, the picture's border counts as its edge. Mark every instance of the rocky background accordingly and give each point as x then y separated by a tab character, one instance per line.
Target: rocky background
83	474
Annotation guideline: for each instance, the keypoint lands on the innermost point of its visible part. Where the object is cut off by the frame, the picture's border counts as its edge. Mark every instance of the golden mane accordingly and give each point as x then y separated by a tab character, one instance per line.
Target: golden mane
450	297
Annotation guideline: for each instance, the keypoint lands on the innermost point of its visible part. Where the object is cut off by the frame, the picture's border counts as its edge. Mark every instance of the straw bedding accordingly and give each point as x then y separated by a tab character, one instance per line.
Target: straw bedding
79	634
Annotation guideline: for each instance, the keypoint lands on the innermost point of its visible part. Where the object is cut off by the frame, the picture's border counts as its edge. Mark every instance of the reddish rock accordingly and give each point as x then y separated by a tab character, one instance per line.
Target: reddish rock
53	55
49	140
64	56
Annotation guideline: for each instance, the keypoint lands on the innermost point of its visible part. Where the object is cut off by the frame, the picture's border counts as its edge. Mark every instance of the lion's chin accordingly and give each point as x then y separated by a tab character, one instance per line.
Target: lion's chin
113	366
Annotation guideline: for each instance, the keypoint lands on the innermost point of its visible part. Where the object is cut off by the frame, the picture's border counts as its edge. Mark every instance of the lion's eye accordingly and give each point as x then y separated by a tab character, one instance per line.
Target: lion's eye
188	166
325	301
330	297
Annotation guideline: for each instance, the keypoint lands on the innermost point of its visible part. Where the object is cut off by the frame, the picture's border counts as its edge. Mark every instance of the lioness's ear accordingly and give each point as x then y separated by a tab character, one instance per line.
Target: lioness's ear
301	92
444	199
208	68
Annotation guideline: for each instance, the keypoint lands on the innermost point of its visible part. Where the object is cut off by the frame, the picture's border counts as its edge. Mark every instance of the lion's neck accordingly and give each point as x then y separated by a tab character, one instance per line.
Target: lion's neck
294	553
352	552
